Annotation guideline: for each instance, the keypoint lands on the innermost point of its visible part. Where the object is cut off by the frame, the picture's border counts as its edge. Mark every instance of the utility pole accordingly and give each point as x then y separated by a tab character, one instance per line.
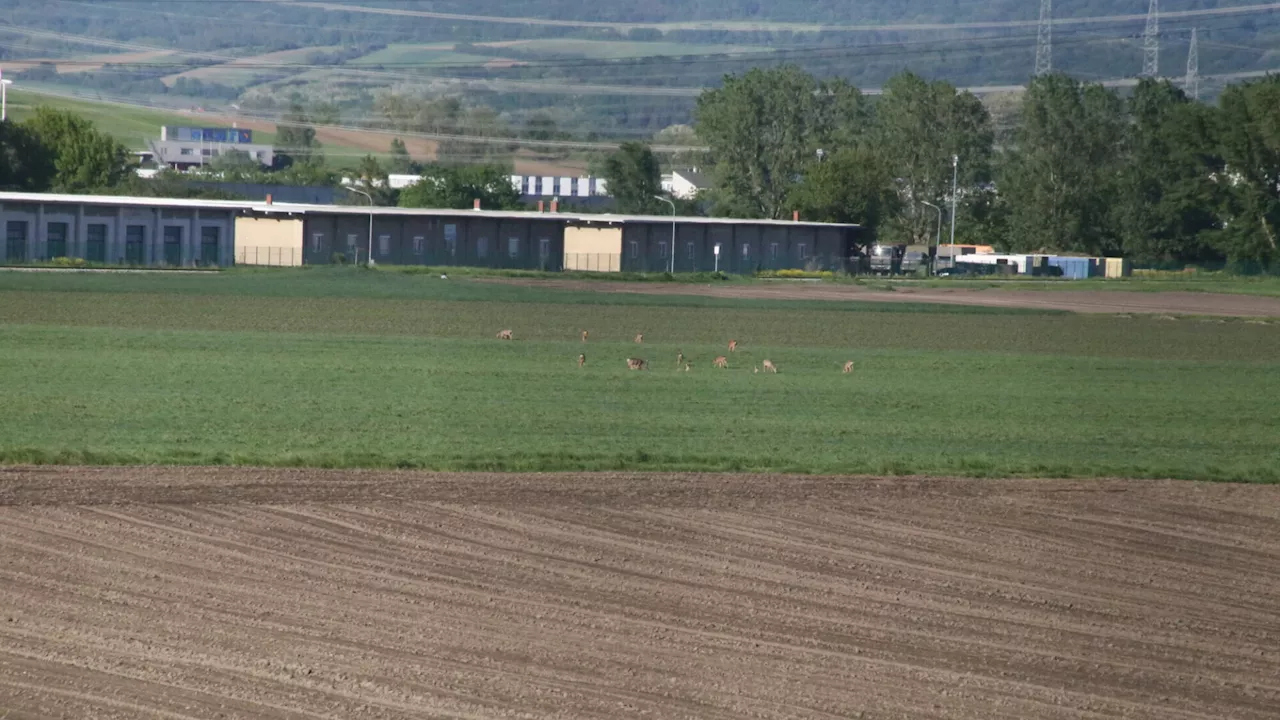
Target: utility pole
1151	42
1044	40
955	175
1192	85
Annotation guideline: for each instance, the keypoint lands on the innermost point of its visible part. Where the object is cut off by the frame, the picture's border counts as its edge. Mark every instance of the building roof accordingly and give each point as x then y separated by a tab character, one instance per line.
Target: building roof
263	208
694	178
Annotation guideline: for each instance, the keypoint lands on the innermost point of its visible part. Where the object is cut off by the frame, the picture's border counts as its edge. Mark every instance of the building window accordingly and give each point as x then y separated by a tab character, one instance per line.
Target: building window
210	239
95	248
206	152
135	237
418	243
689	248
802	250
544	248
172	245
317	240
482	247
513	247
56	239
746	250
16	240
773	251
633	249
662	248
384	244
186	151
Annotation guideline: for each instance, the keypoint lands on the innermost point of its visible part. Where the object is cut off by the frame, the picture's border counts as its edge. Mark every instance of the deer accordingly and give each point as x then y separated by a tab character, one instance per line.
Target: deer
848	367
639	338
688	367
582	359
721	362
504	334
636	364
584	336
769	366
733	346
755	369
679	358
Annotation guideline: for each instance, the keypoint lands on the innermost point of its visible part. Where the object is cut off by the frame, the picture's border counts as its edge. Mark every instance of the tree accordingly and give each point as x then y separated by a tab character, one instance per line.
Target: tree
1060	178
375	181
296	138
1166	208
681	136
236	165
25	164
633	177
852	185
399	161
84	160
459	187
919	128
1250	146
764	128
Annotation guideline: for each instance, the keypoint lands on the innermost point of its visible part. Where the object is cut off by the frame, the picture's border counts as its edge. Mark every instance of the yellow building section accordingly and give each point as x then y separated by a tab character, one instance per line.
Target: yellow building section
268	241
593	249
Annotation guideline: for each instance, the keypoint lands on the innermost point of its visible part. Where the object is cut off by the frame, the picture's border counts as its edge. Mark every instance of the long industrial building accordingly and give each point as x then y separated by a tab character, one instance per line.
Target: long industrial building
155	232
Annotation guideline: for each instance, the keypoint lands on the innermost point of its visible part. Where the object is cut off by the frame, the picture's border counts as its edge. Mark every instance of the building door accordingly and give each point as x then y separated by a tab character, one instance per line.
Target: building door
209	241
56	240
95	248
135	238
15	241
173	245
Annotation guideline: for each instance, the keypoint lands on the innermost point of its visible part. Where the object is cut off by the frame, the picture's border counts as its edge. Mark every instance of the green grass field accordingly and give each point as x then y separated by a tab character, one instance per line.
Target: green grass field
347	367
131	126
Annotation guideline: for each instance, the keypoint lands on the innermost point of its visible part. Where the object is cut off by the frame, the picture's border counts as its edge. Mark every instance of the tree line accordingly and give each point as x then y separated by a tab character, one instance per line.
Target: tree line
1153	175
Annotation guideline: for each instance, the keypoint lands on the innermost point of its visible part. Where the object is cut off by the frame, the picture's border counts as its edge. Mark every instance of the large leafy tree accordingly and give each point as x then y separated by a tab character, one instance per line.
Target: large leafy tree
924	131
459	187
1249	132
84	159
25	164
764	128
634	178
1166	208
296	138
851	185
1060	178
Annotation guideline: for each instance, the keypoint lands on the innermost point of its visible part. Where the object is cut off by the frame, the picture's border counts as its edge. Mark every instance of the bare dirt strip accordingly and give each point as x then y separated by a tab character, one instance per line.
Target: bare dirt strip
245	593
1085	301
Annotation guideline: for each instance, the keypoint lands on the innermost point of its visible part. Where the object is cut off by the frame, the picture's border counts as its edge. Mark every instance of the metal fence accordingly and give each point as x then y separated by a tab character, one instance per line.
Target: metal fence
273	256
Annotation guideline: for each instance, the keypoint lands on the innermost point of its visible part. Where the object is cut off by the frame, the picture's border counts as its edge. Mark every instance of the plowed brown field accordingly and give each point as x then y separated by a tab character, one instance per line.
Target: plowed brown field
203	593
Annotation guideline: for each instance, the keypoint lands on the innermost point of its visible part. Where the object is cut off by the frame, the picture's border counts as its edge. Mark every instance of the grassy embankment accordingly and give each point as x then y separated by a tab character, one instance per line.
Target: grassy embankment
343	367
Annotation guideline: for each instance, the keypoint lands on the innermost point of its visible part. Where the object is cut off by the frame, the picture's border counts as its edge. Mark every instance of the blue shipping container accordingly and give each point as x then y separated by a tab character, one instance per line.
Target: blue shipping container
1072	268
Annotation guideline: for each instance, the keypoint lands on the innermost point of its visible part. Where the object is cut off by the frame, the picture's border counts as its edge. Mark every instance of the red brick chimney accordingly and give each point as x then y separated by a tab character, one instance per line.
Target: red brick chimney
795	216
540	206
268	198
555	206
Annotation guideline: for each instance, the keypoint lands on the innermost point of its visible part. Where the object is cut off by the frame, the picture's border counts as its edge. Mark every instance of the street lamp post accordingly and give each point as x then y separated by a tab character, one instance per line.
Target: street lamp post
938	242
955	174
4	99
369	260
672	203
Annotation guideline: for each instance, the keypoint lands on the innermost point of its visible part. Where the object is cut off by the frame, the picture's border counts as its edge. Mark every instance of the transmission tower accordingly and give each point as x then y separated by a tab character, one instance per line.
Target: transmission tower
1192	85
1044	39
1151	42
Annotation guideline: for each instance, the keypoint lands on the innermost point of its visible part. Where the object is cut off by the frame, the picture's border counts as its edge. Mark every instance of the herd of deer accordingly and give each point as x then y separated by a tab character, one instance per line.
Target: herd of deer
721	361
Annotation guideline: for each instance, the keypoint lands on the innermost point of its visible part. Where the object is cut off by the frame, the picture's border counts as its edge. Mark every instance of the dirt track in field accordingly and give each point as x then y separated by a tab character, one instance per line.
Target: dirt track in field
202	593
1084	301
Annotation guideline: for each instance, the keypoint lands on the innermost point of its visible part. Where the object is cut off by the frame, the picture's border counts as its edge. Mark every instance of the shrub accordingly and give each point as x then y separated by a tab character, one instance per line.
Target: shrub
68	262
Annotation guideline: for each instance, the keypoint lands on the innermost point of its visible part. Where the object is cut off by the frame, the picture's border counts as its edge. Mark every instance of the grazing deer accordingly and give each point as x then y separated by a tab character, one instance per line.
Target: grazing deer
679	358
769	366
582	359
848	367
721	362
687	367
636	364
733	346
755	369
504	334
640	338
584	336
